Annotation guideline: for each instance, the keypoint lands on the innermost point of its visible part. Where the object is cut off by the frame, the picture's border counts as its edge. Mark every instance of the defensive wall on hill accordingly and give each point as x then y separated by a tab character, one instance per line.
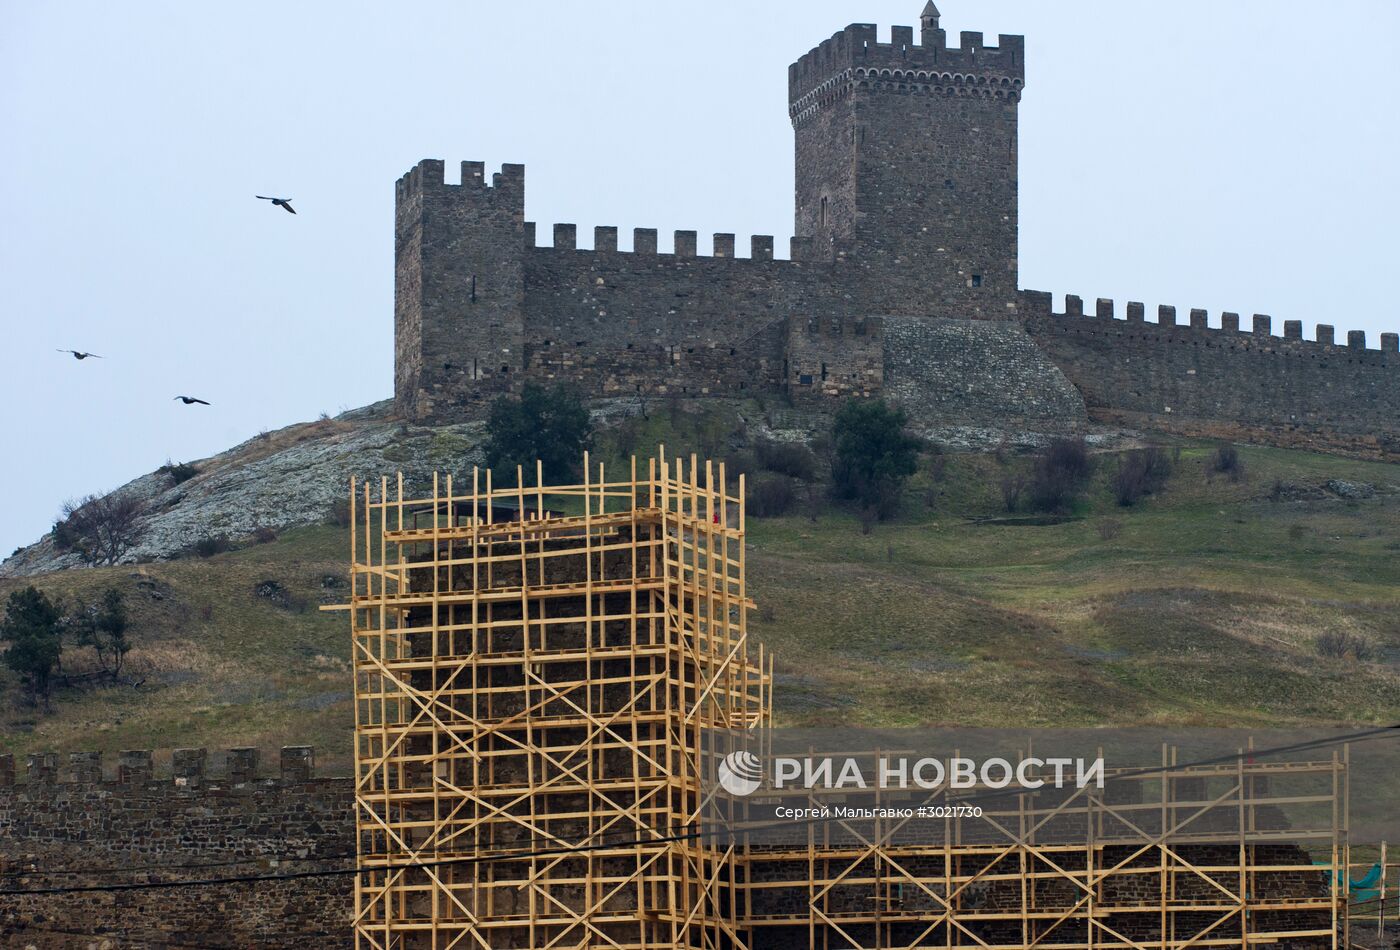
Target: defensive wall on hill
905	206
213	830
1234	380
76	823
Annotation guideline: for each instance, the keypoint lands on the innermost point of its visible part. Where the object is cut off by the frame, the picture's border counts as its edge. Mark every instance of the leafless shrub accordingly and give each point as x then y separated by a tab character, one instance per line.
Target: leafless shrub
100	528
787	458
740	463
1060	472
1011	488
1226	461
937	464
1338	645
1140	472
1110	528
627	437
340	513
771	496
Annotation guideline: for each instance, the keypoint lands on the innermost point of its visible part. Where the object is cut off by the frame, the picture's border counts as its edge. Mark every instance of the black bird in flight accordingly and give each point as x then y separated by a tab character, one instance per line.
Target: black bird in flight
190	400
284	203
80	355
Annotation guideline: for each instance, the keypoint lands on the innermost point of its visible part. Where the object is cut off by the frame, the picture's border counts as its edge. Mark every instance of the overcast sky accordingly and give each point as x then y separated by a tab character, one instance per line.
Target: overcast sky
1234	156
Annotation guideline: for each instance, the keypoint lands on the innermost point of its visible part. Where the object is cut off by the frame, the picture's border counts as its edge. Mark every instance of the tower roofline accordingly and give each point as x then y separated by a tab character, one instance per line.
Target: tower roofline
930	61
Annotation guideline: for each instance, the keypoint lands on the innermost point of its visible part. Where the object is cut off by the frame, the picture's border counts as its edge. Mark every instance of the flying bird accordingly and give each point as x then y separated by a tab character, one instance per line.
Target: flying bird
80	355
284	203
190	400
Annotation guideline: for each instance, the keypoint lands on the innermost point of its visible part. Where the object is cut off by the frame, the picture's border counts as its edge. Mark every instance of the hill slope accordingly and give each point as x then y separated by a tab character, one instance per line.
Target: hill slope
1201	605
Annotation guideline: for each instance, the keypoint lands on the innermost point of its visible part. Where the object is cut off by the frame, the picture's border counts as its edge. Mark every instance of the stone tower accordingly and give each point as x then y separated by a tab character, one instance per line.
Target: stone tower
459	286
906	164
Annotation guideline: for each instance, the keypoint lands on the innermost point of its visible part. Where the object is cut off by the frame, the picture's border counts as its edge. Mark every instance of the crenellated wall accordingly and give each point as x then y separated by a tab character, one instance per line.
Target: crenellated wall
905	210
906	161
200	817
459	327
1234	380
617	323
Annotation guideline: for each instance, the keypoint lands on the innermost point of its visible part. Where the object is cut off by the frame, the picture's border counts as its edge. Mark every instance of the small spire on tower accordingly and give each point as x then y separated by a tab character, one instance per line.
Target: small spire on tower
928	24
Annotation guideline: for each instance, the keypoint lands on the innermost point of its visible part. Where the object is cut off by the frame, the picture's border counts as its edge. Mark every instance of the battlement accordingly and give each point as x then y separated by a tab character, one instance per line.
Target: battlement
430	177
930	65
685	243
905	188
1259	326
186	767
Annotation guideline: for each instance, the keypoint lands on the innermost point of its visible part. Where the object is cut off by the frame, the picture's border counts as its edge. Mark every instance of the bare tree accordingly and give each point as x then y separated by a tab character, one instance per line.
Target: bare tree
100	528
1011	488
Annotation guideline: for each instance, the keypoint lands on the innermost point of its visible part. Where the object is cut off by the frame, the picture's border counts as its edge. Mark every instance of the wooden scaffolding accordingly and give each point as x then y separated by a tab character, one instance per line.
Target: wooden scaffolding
538	670
535	671
1239	853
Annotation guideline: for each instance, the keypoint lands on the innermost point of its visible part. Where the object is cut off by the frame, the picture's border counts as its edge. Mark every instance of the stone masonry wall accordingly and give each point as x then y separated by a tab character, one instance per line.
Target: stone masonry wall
616	323
972	381
458	285
906	204
197	822
1233	382
906	162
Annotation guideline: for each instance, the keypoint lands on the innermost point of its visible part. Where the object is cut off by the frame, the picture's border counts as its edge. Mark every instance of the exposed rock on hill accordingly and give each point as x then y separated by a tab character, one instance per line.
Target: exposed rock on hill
275	480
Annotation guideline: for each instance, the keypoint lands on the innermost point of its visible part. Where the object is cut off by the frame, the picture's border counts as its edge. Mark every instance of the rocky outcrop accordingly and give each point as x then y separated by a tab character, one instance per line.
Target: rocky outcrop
282	479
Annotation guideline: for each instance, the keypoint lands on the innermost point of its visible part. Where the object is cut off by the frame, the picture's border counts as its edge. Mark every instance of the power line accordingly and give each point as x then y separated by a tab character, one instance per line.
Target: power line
1378	732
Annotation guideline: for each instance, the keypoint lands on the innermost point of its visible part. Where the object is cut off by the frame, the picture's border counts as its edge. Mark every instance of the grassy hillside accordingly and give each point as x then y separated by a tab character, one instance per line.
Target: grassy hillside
1199	606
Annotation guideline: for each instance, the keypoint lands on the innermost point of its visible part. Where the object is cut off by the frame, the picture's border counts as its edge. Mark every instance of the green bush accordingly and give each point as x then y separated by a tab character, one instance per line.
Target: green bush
548	424
178	472
32	628
63	536
873	456
103	628
212	544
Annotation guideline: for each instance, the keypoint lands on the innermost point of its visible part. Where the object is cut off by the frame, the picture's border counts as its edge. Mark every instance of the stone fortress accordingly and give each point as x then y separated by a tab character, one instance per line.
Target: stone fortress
901	281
